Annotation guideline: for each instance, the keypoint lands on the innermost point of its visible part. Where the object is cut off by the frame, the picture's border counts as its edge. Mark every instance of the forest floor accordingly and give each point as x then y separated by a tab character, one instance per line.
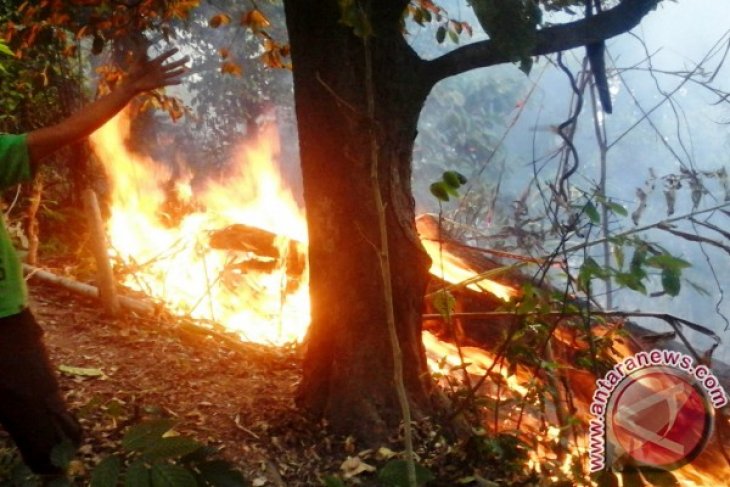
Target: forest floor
235	397
238	399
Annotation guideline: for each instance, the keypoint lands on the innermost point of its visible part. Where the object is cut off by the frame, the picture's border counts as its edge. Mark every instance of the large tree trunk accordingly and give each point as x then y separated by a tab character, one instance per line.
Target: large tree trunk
348	368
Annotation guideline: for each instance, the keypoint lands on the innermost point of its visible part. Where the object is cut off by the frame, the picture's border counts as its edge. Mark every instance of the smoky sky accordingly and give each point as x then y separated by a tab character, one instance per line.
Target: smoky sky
689	132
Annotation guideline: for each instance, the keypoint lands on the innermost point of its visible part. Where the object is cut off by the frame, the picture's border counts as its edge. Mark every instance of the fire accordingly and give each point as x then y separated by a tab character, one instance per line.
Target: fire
453	270
176	264
443	357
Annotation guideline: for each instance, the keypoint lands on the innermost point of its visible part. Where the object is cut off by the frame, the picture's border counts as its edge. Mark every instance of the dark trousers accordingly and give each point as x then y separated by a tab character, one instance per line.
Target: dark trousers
31	407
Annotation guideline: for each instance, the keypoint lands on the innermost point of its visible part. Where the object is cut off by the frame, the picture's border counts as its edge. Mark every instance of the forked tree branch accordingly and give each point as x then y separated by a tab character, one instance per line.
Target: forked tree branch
605	25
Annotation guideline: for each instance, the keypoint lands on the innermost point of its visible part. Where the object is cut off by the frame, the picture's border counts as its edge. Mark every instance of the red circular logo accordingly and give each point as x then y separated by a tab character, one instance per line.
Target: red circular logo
658	417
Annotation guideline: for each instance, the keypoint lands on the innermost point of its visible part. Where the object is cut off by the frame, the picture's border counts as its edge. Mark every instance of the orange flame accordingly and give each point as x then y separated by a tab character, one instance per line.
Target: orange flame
453	270
177	265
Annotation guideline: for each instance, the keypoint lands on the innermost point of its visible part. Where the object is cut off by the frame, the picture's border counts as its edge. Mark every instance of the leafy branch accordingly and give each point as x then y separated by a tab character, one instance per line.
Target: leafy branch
599	27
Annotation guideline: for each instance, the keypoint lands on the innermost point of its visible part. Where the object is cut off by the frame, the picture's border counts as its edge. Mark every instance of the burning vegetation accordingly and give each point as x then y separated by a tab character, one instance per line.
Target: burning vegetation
511	358
500	371
236	257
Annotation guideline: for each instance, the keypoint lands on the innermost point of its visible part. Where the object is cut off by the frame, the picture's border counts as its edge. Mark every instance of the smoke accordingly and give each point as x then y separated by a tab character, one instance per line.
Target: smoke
675	154
225	109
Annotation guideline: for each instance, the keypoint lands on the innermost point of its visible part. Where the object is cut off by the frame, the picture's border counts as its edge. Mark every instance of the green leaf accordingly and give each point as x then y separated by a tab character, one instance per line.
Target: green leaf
140	436
332	481
395	474
63	453
666	261
671	281
618	254
452	192
173	447
439	190
451	178
6	50
221	474
444	302
454	37
200	455
592	213
115	409
81	371
166	475
637	261
589	270
549	365
631	281
441	34
617	209
138	475
106	474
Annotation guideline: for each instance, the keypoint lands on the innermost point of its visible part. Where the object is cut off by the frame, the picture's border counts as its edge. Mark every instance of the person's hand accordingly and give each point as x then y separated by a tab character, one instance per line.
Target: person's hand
152	74
144	76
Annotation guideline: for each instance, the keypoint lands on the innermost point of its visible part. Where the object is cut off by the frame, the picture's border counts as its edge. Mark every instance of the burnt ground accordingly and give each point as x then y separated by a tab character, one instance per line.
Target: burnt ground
235	397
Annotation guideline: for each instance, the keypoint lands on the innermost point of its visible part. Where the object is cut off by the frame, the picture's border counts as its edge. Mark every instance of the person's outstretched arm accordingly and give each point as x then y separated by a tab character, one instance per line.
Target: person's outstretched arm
145	76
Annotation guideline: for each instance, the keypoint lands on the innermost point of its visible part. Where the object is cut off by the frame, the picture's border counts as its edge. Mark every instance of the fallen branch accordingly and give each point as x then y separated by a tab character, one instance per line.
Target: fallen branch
138	306
674	321
88	290
663	225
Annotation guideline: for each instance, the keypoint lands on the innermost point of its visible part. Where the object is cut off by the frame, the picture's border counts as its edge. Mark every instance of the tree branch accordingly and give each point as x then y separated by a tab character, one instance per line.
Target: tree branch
605	25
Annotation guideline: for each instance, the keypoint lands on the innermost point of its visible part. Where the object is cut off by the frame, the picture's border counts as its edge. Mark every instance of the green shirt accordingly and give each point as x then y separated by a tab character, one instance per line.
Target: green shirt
14	168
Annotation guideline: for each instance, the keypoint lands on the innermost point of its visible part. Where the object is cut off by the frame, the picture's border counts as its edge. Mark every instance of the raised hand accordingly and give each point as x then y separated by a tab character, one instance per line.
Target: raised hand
144	76
152	74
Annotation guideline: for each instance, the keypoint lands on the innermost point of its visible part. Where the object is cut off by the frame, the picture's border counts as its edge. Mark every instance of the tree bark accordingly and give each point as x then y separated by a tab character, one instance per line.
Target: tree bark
348	364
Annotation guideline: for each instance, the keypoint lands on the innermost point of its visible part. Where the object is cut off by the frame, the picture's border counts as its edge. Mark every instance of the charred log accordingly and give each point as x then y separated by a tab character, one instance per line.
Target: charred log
264	251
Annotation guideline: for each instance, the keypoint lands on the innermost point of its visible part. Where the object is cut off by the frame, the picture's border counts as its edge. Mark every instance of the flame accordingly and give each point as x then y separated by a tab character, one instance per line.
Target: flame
453	270
444	360
443	357
176	265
